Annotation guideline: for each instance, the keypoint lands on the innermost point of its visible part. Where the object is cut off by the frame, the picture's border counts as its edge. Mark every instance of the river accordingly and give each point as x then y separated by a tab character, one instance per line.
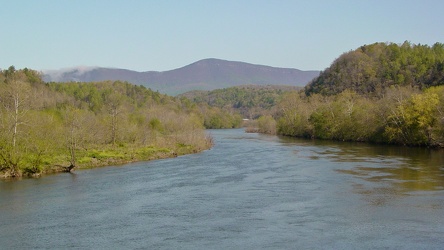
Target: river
250	191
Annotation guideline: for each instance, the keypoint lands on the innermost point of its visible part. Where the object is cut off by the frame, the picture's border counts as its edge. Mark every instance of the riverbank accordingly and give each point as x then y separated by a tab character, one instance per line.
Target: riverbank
112	155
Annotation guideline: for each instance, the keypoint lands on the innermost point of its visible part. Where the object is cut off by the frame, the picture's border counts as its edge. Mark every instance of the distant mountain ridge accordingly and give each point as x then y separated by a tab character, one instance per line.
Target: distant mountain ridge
206	74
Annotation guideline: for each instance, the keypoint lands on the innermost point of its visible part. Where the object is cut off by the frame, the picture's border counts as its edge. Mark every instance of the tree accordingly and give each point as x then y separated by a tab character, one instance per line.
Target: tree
413	120
293	113
72	123
113	106
15	99
267	125
437	131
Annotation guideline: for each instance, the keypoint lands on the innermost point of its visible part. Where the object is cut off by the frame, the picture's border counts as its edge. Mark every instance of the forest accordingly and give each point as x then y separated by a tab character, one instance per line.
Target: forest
382	93
54	127
250	101
373	68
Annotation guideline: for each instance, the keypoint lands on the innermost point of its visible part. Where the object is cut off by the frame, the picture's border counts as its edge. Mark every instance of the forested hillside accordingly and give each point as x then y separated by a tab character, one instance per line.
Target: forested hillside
373	68
384	93
251	101
52	127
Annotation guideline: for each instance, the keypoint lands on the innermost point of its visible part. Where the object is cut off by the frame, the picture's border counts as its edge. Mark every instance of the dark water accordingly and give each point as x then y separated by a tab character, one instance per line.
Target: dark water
249	192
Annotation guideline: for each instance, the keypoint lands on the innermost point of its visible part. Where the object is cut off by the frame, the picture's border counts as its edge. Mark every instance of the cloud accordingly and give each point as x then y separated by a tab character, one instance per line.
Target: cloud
60	74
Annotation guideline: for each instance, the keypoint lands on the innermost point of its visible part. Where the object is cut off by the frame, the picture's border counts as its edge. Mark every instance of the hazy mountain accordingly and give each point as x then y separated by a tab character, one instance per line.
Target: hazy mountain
207	74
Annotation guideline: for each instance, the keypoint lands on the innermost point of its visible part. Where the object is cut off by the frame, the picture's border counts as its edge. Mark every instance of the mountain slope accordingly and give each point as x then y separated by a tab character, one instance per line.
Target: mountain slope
207	74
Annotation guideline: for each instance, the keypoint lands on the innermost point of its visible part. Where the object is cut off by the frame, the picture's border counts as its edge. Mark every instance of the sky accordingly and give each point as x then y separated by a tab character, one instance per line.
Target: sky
159	35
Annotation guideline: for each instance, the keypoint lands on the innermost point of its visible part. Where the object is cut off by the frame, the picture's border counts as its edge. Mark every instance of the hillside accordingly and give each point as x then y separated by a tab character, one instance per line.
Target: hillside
56	127
381	93
251	101
372	68
207	74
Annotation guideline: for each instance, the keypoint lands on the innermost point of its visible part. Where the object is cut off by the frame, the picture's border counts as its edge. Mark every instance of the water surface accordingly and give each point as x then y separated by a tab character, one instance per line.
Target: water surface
250	191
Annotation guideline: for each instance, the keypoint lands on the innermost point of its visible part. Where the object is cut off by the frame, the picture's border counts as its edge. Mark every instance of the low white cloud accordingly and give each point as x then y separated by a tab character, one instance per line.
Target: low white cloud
60	74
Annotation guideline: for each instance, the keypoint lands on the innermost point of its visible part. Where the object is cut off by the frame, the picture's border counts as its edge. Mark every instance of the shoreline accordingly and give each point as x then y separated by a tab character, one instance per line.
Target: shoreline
96	162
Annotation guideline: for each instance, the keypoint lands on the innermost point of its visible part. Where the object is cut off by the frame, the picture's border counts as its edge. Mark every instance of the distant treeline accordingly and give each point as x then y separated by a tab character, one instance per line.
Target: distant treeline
250	101
51	127
384	93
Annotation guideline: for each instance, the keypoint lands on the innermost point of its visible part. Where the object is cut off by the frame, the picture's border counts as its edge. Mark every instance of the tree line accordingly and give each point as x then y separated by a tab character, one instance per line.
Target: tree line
250	101
51	127
382	93
402	115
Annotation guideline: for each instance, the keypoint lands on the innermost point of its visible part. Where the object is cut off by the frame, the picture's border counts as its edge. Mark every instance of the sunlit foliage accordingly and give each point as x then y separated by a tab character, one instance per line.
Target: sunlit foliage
373	68
47	127
403	115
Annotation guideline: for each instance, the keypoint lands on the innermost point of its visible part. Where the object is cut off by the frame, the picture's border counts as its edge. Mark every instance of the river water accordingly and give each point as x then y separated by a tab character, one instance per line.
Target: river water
250	191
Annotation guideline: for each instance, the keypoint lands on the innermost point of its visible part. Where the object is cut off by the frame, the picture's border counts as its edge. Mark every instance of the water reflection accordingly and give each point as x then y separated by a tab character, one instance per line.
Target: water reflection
395	173
405	169
382	172
403	178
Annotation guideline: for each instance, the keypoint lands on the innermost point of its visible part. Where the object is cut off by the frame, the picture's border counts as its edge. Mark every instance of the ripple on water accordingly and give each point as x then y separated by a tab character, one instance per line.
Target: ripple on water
249	192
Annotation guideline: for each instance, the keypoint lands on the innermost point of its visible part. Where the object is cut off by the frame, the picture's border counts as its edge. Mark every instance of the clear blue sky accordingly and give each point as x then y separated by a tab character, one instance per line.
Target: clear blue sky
161	35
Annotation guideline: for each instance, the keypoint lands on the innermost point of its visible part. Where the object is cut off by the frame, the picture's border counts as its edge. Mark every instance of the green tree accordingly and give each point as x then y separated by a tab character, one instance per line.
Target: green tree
267	125
293	112
413	120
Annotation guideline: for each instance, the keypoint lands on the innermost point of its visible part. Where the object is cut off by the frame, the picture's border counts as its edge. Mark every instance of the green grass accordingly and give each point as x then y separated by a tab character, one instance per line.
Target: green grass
97	157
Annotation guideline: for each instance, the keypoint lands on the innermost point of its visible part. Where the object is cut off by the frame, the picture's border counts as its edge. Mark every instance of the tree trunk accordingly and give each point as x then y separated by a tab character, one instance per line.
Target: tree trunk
70	168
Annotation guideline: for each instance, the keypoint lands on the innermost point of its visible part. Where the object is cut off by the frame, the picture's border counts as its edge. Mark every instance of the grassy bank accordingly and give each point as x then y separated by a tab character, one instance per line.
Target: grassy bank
108	156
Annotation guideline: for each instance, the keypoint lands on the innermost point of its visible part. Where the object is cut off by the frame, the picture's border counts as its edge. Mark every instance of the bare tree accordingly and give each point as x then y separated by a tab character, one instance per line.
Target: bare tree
15	99
114	108
72	123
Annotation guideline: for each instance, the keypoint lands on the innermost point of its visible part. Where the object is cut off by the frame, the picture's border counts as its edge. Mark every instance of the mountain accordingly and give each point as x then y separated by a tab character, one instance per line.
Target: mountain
207	74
